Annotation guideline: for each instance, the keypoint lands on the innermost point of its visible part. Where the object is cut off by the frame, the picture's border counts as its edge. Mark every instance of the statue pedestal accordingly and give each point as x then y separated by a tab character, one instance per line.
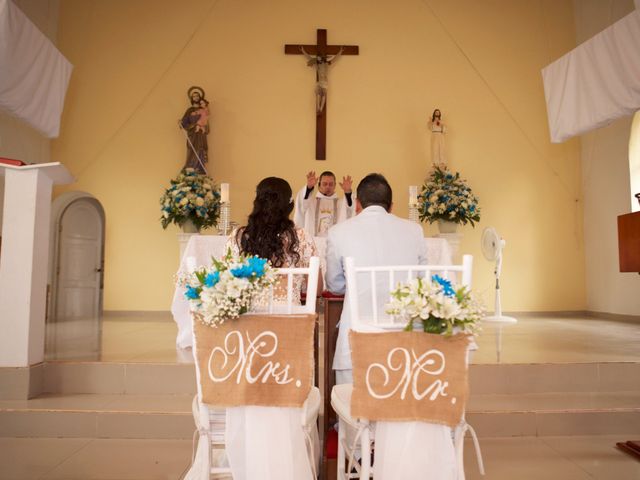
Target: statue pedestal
453	239
183	239
25	259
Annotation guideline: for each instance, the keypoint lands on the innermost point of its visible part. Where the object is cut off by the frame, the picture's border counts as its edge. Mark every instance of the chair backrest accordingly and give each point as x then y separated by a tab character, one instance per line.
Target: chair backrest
369	288
274	307
274	303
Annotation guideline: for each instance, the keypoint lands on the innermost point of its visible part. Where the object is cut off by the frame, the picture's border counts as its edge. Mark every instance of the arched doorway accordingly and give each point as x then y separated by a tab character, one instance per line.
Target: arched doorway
76	277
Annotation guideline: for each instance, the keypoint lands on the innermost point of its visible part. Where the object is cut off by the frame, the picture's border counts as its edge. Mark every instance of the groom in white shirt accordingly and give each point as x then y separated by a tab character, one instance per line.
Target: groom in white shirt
317	212
374	237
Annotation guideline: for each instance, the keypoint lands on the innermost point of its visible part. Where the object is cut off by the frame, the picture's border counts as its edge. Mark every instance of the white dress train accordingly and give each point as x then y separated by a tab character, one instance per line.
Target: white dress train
249	429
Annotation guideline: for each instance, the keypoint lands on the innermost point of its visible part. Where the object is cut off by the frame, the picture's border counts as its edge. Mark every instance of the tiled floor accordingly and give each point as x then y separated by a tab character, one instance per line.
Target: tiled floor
524	458
535	339
89	459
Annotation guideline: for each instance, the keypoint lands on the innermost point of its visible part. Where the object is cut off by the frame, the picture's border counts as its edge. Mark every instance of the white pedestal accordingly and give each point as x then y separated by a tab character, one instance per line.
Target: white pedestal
24	259
183	239
453	239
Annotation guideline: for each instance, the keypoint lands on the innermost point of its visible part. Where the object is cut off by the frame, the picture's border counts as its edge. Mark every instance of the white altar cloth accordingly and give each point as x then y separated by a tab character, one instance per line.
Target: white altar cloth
203	247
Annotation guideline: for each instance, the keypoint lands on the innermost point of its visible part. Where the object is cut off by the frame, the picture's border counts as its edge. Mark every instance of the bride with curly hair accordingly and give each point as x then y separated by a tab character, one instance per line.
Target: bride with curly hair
271	234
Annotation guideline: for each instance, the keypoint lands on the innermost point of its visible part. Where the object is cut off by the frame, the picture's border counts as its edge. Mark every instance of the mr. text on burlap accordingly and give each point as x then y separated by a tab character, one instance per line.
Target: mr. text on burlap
408	376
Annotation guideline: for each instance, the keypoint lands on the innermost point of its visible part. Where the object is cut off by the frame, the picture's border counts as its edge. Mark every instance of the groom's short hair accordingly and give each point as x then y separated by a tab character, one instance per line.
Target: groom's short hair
374	190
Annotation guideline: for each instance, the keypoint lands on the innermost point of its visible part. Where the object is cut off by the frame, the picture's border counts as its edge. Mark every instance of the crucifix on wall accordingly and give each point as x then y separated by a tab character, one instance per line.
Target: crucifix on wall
320	56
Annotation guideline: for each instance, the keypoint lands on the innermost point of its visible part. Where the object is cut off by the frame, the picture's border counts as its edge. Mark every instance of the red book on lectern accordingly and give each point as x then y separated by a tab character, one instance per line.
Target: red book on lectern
11	161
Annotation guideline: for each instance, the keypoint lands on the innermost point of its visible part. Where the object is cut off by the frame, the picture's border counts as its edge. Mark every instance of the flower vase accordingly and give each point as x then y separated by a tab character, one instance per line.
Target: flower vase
445	226
189	227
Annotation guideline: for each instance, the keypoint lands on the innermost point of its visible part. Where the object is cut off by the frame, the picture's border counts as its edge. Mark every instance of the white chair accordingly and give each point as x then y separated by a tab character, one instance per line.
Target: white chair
210	459
366	303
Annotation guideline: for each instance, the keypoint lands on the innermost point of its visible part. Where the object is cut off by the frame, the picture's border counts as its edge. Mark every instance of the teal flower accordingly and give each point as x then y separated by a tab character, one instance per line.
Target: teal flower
244	271
192	293
447	289
257	265
211	279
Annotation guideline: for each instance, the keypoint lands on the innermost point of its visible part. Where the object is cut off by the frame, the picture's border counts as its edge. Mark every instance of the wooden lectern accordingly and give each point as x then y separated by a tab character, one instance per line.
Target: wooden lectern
629	242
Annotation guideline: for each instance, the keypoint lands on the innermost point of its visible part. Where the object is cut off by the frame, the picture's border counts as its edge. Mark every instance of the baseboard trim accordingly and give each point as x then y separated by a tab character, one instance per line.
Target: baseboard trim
139	314
21	383
615	316
578	313
549	313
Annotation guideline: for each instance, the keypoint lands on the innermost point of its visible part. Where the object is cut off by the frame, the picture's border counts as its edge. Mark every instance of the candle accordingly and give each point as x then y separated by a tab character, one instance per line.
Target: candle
224	192
413	195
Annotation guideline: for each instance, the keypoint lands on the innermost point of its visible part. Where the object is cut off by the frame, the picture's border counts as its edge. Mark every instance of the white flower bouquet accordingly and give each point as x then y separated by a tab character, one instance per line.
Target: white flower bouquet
446	196
191	196
437	304
228	288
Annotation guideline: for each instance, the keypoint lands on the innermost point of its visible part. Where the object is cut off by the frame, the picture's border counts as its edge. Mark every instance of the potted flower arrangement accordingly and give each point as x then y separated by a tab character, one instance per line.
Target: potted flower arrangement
446	197
438	305
191	201
228	288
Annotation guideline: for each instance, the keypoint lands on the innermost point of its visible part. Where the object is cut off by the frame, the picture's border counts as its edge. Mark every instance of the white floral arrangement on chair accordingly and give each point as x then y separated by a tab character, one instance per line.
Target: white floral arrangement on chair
191	196
228	288
437	304
446	196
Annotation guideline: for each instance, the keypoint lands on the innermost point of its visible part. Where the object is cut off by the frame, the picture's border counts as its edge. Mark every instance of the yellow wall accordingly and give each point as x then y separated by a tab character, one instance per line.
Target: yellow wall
479	62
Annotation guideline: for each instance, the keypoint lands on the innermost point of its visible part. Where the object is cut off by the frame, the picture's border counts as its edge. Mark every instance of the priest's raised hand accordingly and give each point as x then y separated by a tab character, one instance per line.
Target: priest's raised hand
346	184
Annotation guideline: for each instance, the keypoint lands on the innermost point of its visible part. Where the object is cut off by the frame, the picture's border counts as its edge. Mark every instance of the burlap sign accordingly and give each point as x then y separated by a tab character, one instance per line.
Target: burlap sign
256	360
406	376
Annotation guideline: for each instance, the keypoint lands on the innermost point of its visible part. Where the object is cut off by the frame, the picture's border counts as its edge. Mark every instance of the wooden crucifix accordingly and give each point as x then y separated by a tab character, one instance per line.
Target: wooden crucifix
320	56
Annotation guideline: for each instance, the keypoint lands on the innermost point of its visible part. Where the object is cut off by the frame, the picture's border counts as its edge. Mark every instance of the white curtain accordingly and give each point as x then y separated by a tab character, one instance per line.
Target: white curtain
595	83
33	74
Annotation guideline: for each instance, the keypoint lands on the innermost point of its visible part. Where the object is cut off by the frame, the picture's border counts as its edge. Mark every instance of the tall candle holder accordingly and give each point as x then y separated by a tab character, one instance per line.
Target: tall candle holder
225	218
414	213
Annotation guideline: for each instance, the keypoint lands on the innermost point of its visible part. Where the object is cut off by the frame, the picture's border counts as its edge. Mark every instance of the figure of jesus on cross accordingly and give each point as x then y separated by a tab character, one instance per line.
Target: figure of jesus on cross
320	56
321	62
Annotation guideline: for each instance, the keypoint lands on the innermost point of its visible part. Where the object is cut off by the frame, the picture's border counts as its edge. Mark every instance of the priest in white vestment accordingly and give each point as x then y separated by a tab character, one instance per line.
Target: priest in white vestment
316	212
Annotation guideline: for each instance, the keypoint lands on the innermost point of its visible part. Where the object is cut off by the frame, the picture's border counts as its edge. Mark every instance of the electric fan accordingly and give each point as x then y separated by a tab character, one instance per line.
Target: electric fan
492	246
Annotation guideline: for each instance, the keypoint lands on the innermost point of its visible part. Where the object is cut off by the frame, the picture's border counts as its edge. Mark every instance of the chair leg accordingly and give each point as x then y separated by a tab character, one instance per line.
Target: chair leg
459	450
365	450
341	460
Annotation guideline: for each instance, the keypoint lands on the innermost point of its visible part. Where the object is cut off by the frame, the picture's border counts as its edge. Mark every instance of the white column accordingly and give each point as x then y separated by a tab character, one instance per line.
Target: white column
24	259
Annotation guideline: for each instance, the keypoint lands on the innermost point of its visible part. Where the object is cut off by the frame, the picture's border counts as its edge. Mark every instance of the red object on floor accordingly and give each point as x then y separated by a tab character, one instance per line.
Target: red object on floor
11	161
331	444
631	447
